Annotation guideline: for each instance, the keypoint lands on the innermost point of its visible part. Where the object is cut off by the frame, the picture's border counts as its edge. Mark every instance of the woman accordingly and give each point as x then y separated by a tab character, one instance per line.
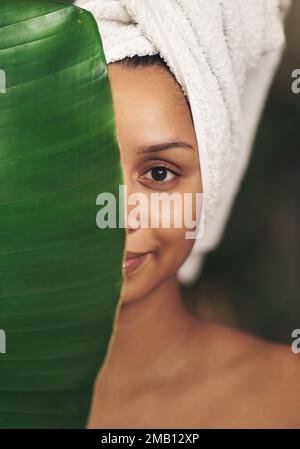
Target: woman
168	368
189	79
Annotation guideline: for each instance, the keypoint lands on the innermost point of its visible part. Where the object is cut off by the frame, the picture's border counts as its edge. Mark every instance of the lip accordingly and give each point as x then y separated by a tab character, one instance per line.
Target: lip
133	261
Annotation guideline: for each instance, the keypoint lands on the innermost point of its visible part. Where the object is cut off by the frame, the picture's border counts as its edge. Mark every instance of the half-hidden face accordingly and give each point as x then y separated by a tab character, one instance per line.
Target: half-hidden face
159	154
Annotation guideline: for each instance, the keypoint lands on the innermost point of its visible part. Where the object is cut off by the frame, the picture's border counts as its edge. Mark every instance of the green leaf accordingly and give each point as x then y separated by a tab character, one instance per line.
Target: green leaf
60	275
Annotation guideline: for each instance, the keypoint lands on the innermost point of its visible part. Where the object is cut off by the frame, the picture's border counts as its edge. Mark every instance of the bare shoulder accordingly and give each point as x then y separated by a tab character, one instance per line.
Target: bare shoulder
250	352
276	359
261	377
273	373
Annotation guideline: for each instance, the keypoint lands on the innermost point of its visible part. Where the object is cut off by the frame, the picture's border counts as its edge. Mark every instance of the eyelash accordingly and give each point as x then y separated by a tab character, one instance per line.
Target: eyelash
160	166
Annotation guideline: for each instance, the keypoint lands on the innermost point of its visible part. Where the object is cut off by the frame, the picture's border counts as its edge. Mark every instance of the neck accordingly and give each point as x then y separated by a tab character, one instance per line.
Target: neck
149	335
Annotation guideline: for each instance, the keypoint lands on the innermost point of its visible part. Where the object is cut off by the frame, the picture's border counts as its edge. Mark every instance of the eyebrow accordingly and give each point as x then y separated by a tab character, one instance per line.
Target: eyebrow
165	146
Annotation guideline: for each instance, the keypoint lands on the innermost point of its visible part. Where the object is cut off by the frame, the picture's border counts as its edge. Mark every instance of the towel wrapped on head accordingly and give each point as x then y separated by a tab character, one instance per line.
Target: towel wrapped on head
224	54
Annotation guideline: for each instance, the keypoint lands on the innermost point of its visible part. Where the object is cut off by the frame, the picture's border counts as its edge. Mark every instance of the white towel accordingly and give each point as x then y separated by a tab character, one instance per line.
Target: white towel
224	54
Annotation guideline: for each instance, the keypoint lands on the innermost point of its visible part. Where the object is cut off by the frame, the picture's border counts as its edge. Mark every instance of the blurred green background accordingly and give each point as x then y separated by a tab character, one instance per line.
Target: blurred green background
252	280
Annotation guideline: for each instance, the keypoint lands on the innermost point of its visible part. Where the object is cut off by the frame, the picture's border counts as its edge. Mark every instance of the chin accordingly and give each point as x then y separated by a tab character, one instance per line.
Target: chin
139	284
133	290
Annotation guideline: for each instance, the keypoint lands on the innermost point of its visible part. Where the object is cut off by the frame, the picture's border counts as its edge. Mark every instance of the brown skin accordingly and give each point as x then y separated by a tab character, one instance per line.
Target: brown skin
167	367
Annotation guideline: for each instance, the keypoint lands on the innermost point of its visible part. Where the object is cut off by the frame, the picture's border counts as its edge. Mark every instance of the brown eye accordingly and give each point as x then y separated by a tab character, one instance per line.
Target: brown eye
160	174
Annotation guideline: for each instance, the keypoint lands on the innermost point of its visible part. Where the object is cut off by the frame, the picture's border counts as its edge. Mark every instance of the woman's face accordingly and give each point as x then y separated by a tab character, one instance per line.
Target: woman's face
151	110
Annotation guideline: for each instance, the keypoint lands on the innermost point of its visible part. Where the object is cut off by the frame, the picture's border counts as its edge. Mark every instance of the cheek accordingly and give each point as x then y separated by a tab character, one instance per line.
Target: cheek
176	209
174	249
173	221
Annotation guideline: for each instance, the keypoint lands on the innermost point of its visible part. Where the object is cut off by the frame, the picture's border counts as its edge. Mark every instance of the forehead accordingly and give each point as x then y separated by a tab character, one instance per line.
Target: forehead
148	102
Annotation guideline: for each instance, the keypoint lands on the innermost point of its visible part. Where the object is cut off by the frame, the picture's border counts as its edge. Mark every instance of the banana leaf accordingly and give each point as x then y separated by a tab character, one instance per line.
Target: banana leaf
60	275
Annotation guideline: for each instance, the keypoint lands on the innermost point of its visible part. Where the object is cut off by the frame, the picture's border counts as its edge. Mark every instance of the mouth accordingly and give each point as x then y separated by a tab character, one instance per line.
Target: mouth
133	261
